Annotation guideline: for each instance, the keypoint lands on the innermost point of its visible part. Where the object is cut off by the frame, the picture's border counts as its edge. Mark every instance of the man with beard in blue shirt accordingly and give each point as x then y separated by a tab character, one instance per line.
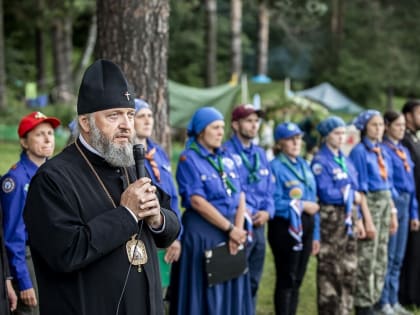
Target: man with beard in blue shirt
256	182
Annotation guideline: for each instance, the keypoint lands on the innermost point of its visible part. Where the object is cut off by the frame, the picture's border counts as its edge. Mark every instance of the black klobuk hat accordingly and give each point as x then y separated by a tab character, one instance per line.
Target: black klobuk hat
103	87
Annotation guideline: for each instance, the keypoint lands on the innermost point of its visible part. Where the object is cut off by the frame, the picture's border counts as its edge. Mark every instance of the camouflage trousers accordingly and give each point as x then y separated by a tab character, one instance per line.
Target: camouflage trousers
337	263
372	255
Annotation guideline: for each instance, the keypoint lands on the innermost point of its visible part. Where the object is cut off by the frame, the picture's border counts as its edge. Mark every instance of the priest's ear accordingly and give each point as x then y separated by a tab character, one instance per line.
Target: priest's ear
84	125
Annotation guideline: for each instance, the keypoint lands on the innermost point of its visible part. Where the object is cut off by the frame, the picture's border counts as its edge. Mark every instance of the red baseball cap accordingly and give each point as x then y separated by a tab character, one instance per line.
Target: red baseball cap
245	110
32	120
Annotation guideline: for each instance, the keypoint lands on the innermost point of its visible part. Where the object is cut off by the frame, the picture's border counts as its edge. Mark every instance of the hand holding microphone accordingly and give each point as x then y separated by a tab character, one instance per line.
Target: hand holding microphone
140	197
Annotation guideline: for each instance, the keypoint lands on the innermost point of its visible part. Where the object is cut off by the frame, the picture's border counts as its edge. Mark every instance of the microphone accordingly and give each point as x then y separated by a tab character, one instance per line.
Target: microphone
138	153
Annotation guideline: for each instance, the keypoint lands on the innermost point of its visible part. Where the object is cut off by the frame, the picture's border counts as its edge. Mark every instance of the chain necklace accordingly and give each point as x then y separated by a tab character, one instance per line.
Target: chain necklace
136	250
97	175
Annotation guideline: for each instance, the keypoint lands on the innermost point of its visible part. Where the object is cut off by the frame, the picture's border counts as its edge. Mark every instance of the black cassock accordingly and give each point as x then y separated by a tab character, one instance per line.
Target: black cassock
78	240
409	292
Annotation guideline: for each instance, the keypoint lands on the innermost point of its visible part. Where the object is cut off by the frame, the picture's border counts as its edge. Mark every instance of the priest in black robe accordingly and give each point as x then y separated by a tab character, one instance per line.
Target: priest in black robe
93	227
409	292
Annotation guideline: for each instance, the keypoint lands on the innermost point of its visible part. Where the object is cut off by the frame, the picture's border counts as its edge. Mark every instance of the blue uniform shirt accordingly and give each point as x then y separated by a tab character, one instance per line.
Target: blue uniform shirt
402	179
366	164
259	194
289	187
331	178
196	176
166	183
14	189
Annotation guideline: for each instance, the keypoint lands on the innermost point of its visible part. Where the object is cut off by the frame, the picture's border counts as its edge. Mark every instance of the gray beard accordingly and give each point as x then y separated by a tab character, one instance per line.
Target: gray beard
115	155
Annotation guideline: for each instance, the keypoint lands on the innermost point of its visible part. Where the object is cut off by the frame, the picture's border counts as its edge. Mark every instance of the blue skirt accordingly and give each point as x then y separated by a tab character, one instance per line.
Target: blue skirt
189	292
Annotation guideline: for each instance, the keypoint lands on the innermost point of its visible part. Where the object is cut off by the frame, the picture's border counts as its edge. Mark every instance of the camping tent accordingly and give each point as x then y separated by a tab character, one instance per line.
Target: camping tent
185	100
331	98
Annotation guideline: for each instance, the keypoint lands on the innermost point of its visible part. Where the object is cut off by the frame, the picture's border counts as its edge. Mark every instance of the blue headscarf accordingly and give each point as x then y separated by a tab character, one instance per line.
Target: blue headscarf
140	104
363	118
329	124
200	120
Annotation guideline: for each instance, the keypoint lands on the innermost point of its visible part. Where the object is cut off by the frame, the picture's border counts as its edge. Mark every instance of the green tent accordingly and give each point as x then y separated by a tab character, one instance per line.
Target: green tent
185	100
330	97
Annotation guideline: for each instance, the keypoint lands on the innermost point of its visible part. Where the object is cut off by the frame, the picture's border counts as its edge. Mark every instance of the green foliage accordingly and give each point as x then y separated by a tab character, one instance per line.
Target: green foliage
375	53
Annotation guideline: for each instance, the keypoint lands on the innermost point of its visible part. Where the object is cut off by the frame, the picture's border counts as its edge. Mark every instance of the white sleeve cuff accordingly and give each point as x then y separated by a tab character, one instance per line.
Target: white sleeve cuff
132	213
162	228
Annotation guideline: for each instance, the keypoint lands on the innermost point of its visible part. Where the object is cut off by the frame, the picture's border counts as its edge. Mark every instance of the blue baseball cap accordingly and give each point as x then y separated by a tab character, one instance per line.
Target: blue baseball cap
286	130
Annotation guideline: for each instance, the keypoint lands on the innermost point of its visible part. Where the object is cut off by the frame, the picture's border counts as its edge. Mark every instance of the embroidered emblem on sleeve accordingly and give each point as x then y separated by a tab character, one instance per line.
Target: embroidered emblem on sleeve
317	168
8	185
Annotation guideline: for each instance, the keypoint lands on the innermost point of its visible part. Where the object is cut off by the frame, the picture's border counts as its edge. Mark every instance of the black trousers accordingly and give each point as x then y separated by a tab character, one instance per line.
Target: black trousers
290	265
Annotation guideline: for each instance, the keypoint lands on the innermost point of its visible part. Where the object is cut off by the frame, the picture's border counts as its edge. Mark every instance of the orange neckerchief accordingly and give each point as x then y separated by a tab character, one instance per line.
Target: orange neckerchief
149	156
381	162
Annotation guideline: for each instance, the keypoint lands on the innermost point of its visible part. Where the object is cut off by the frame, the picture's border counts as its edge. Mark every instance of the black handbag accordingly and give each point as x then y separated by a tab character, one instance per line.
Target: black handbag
221	266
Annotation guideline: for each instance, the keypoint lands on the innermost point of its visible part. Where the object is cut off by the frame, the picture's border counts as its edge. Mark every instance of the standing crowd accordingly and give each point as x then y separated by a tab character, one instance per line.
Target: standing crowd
81	231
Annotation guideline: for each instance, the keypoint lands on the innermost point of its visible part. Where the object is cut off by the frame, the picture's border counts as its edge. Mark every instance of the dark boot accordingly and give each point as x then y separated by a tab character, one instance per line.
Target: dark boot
367	310
282	302
294	301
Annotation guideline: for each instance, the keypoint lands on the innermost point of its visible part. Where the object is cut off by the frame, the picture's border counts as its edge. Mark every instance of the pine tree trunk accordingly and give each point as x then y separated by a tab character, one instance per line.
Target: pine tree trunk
62	50
40	47
390	98
336	30
211	42
134	34
236	44
263	32
2	63
87	51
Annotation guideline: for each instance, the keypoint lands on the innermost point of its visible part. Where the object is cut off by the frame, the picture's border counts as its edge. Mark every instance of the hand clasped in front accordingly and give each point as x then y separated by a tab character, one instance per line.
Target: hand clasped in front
140	197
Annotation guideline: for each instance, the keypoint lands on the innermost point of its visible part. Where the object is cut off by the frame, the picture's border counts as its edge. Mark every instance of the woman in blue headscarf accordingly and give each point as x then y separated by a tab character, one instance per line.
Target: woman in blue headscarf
209	186
372	164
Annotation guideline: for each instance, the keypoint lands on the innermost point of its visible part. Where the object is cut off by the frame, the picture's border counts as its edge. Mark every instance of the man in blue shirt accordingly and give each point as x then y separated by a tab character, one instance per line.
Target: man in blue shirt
256	182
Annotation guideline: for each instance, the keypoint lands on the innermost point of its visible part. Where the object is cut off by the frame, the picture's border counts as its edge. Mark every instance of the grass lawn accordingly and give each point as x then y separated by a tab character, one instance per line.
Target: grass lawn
307	302
9	155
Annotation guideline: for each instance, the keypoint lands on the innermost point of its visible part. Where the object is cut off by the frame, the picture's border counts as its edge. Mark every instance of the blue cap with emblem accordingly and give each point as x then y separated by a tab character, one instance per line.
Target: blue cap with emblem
286	130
